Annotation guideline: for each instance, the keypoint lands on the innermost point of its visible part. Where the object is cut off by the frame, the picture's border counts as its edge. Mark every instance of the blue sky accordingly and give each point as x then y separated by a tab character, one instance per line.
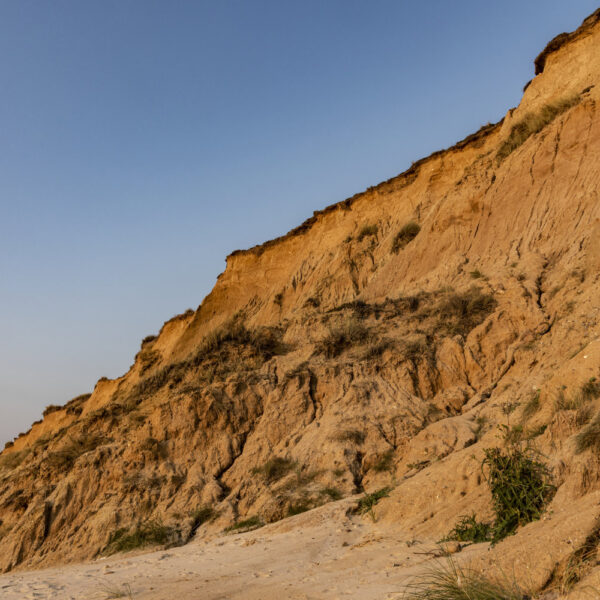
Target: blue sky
143	141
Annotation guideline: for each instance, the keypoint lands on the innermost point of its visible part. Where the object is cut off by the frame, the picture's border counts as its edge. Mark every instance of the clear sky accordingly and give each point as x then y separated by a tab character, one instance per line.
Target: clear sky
142	141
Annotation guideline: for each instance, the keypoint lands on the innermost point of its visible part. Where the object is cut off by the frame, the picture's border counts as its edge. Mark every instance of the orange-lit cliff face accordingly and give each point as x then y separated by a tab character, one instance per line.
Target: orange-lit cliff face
375	344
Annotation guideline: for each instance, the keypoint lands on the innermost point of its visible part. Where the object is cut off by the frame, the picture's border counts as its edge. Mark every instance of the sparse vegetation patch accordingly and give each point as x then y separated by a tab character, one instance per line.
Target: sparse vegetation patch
366	231
469	529
533	123
274	469
406	235
150	533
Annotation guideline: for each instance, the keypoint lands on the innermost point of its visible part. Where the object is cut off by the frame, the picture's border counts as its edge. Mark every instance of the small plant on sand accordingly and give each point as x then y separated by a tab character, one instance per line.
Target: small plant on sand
112	592
450	581
366	505
332	493
406	235
469	529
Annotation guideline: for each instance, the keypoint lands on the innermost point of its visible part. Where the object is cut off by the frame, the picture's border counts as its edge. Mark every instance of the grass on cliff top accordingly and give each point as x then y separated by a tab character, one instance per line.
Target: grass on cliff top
450	581
218	348
533	123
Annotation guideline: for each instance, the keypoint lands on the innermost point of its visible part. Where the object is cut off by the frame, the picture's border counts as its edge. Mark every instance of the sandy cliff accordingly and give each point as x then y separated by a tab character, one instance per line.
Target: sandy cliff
375	345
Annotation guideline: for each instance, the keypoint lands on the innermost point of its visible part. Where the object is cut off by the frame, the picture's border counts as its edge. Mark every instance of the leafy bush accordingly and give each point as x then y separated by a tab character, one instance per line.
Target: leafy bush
469	529
406	235
365	231
449	581
520	487
274	469
150	533
533	123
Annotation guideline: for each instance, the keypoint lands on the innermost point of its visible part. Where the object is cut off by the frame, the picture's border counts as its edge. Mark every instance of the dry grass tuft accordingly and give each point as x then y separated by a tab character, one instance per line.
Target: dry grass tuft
533	123
450	581
406	235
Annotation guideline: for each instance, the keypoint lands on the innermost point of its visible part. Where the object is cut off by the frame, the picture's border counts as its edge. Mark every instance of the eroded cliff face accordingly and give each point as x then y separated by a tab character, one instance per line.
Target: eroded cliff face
378	344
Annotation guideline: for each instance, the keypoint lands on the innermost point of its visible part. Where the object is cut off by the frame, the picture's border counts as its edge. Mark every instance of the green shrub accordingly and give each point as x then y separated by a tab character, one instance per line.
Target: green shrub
366	231
274	469
150	533
367	503
469	529
533	123
476	274
520	487
406	235
449	581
